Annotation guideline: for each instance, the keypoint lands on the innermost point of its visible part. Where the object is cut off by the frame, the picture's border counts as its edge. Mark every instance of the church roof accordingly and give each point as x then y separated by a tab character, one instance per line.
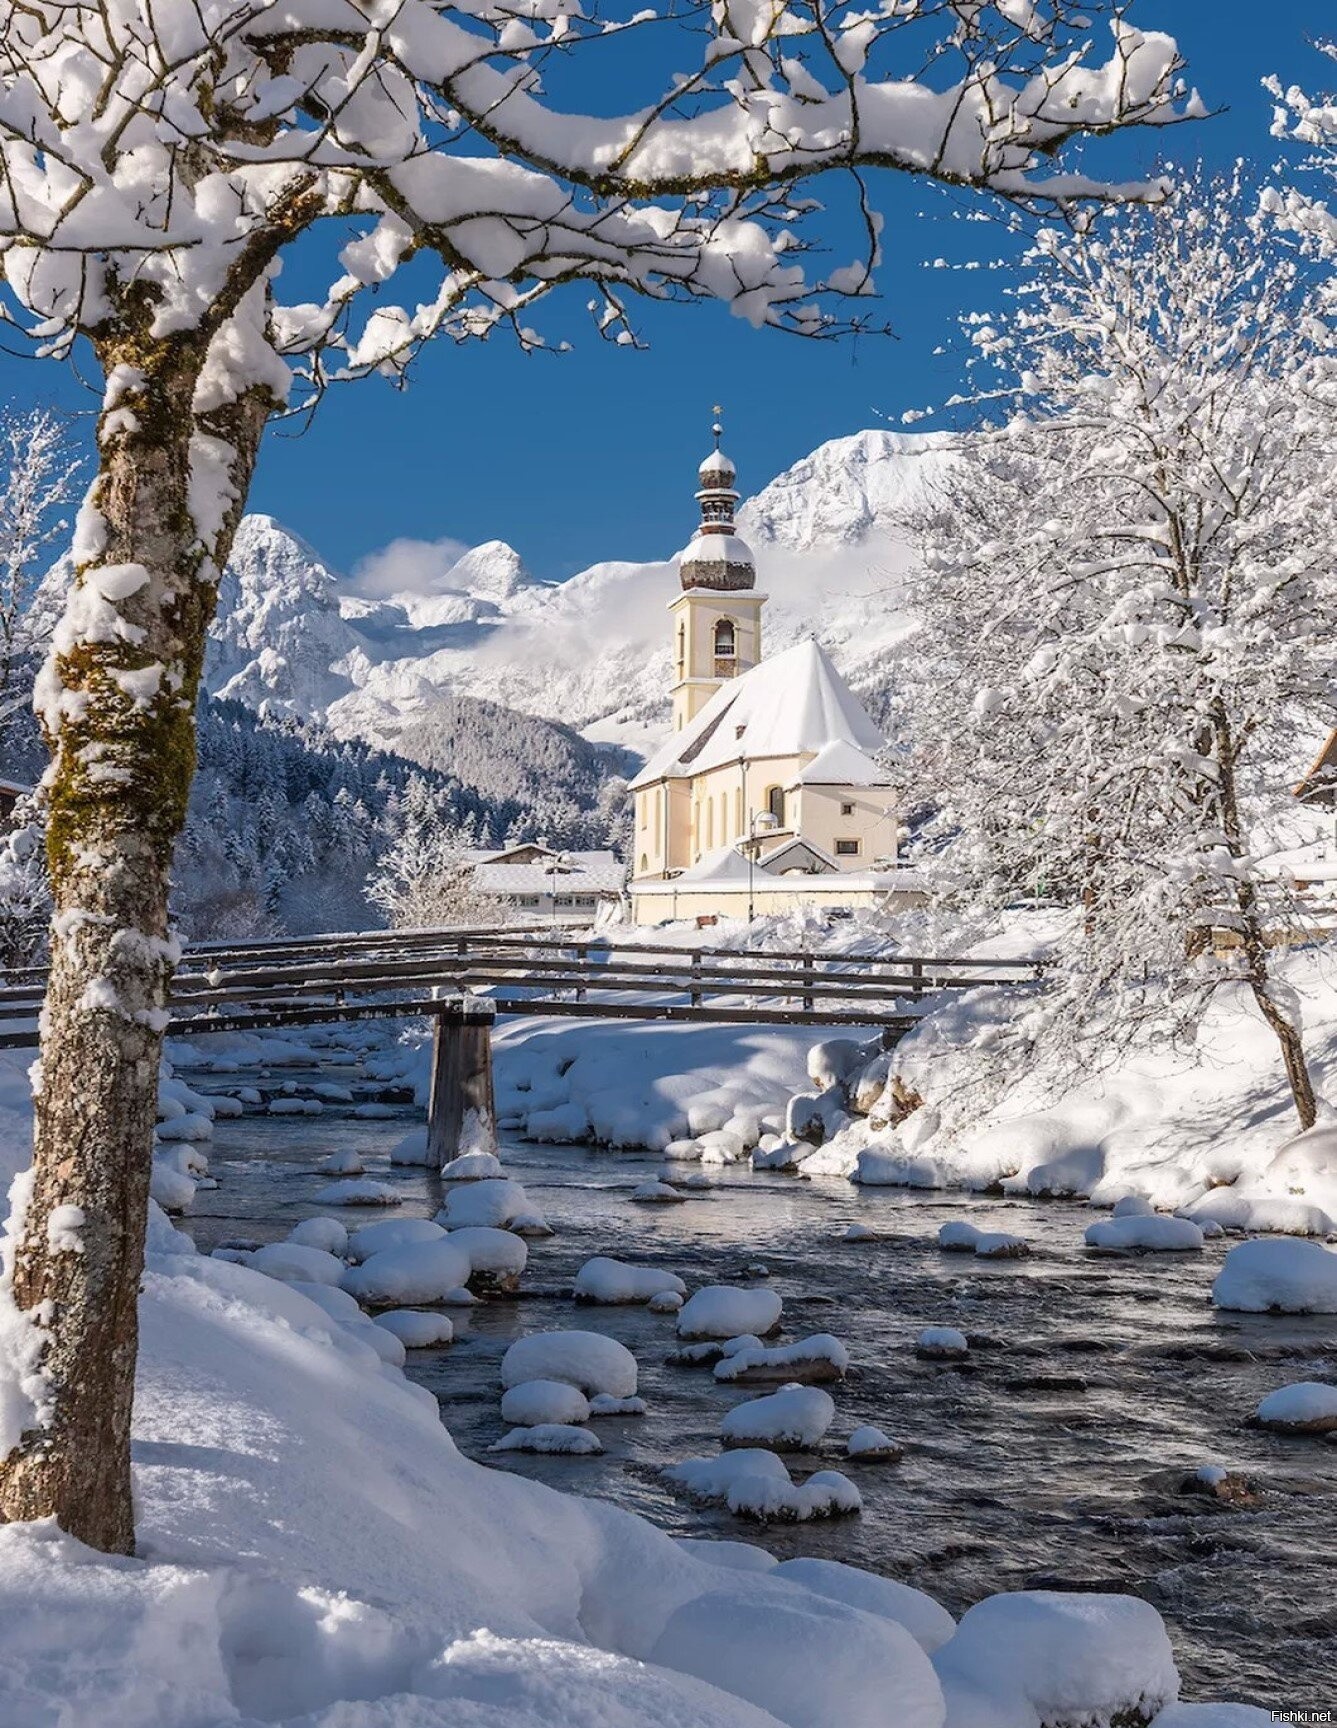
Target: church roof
840	764
791	704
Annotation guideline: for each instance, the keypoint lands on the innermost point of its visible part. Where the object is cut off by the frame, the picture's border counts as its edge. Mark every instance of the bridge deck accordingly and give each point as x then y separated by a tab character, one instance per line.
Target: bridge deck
256	986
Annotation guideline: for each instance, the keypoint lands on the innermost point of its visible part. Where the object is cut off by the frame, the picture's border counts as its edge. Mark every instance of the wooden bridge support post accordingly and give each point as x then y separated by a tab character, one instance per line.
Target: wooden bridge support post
461	1112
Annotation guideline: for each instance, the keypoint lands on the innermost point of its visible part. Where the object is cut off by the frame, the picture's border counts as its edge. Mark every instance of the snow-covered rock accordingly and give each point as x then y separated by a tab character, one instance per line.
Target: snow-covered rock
473	1167
1041	1657
959	1236
497	1257
941	1344
326	1233
554	1437
1143	1233
725	1311
346	1162
604	1404
656	1194
391	1233
665	1302
588	1360
794	1419
415	1329
612	1281
1306	1407
754	1483
290	1260
364	1192
817	1358
1280	1275
871	1446
495	1203
414	1273
789	1673
538	1403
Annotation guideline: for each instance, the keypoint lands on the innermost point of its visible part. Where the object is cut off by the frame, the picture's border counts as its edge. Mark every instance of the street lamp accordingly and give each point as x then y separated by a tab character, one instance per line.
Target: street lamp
763	822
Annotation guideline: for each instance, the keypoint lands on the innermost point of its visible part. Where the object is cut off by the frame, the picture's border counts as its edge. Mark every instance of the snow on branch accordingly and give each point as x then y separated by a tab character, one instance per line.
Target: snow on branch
167	155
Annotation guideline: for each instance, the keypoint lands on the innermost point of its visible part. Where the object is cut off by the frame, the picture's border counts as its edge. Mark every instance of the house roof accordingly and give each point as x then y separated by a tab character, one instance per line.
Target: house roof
840	764
792	704
584	873
790	855
725	864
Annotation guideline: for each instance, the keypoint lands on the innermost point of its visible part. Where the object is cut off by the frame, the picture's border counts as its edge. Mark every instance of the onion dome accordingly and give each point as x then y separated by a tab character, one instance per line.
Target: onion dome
717	558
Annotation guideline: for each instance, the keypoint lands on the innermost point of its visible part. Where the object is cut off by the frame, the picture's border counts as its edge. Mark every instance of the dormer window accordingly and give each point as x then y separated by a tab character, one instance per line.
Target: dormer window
726	648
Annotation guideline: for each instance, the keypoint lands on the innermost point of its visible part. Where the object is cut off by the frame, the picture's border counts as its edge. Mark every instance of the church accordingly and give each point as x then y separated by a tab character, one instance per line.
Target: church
767	795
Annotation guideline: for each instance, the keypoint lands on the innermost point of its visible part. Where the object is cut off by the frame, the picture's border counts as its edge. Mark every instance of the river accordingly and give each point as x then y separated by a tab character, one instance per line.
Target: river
1052	1458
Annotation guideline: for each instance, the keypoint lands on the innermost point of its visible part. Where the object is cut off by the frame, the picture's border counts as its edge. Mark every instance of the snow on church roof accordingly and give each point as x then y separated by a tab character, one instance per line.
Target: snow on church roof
792	704
840	764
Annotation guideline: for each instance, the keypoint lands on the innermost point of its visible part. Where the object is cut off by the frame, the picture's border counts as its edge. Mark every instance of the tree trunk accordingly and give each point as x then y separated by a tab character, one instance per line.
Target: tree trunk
123	742
1257	955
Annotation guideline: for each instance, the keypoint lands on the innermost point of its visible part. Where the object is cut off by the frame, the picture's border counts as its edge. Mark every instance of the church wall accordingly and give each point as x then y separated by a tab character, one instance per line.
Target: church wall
864	814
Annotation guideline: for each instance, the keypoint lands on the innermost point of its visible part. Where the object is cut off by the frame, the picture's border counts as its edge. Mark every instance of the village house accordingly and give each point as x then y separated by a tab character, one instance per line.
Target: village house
767	795
541	884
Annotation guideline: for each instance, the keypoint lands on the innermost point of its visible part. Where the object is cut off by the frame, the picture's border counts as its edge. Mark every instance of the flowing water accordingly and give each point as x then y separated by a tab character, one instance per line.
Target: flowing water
1053	1457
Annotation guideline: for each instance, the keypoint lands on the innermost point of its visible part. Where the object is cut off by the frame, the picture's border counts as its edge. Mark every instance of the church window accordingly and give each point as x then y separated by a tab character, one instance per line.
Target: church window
659	833
645	863
738	811
724	816
645	812
775	803
726	648
847	809
710	823
847	848
682	650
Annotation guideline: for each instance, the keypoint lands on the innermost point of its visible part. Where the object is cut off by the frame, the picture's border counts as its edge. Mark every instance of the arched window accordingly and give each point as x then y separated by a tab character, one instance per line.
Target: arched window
682	650
775	803
726	648
738	810
710	823
724	817
645	863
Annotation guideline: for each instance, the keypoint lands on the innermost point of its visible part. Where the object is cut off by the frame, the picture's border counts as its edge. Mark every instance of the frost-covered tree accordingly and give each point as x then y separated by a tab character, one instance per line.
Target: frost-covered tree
1310	121
158	164
424	880
25	898
1130	613
37	472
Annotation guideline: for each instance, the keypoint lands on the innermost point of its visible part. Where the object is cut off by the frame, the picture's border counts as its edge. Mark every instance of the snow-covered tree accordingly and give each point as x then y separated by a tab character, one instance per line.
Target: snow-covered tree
25	898
425	880
37	471
1130	613
158	163
1311	122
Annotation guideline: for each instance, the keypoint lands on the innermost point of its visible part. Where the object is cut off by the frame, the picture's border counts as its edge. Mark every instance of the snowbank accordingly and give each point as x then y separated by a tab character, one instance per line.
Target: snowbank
558	1438
606	1082
1208	1131
1278	1275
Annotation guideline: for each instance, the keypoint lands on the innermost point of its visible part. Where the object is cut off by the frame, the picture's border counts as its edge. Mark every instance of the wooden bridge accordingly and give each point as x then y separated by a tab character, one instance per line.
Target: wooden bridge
463	978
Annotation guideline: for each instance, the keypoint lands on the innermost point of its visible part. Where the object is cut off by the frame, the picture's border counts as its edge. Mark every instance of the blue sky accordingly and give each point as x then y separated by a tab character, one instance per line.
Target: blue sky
590	455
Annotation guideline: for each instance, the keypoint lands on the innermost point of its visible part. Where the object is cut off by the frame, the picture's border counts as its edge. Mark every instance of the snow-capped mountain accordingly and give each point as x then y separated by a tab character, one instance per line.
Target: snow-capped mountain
593	651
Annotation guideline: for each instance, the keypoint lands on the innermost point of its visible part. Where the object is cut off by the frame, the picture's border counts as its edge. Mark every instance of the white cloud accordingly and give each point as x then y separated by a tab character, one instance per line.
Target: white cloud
407	566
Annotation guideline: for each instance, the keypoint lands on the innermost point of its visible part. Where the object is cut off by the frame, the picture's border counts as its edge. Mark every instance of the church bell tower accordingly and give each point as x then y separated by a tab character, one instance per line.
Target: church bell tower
717	617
